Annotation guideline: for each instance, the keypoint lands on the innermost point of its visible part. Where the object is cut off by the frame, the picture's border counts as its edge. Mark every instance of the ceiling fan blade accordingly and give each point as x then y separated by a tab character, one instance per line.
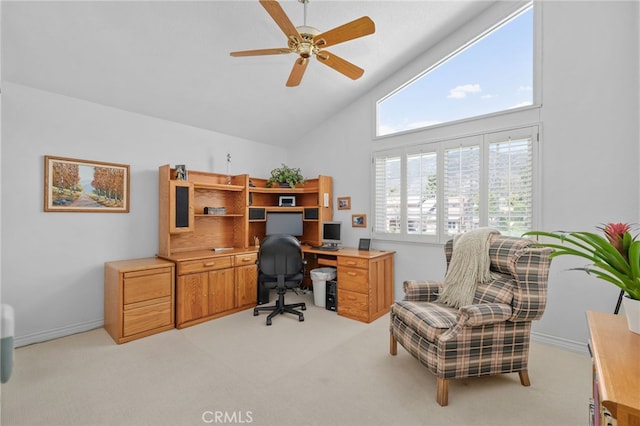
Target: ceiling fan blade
259	52
337	63
354	29
274	9
297	72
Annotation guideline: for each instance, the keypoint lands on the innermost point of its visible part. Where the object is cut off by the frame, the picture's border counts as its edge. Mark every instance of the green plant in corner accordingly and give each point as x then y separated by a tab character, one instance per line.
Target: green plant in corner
615	259
285	174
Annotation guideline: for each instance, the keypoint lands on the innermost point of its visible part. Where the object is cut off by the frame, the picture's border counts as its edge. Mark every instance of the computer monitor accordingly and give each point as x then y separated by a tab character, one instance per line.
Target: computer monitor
331	233
289	223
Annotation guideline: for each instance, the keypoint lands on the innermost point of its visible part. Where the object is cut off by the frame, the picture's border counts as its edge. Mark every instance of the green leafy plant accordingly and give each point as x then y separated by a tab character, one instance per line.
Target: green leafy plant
615	258
285	174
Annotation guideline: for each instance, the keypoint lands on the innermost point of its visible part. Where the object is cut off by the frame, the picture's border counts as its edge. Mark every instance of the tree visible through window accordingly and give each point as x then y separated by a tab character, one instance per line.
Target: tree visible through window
493	73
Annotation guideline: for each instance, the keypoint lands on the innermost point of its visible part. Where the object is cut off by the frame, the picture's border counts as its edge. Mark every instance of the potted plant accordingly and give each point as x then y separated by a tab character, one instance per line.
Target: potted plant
286	176
614	258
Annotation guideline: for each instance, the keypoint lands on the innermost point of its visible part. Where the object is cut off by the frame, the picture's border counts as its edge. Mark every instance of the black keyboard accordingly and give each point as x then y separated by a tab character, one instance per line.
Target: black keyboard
327	248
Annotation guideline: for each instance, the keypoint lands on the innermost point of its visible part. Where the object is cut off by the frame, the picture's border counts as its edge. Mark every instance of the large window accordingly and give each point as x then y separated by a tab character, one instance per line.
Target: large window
492	73
434	191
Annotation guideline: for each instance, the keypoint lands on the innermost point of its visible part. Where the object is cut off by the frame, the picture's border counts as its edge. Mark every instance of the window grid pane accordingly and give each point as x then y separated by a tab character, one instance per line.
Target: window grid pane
461	189
510	206
387	194
422	194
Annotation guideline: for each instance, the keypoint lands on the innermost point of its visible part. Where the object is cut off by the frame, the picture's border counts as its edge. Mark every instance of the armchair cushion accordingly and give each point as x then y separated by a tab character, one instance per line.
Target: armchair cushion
484	313
421	291
500	290
429	320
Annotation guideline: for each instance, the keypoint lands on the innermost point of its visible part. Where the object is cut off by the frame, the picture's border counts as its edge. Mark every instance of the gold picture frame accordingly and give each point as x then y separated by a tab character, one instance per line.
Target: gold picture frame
73	185
344	203
359	220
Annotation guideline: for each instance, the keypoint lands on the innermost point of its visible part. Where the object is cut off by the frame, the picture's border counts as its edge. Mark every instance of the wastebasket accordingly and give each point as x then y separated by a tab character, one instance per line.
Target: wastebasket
319	277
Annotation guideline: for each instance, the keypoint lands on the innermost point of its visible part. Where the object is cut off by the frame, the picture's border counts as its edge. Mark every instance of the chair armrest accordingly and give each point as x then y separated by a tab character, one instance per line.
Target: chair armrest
483	313
421	291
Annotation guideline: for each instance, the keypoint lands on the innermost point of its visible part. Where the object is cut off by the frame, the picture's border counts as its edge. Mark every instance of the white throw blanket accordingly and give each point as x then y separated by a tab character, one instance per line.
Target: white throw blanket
469	265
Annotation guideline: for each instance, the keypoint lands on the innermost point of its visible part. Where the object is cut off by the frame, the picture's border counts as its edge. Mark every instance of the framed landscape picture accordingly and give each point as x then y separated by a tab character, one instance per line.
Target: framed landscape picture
72	185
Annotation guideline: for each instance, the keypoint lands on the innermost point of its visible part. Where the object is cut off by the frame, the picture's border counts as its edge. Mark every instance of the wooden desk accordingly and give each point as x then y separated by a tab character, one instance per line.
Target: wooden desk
214	284
616	367
365	280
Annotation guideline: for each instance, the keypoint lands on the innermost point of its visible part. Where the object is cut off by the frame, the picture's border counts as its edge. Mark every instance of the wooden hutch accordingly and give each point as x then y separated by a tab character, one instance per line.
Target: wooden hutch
208	226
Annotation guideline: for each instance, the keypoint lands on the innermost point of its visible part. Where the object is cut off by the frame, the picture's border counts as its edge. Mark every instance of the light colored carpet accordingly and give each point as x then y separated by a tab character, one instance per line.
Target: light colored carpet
327	370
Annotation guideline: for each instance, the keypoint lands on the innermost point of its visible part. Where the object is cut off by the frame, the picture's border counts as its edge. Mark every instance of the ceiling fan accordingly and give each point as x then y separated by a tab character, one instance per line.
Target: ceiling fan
307	41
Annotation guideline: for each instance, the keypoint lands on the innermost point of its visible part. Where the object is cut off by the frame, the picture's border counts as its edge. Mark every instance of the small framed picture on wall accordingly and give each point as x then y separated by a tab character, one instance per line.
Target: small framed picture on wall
359	220
344	203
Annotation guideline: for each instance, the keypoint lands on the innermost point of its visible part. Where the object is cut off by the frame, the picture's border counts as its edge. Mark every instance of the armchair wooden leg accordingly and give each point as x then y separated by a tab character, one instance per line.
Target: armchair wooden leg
393	345
524	378
443	392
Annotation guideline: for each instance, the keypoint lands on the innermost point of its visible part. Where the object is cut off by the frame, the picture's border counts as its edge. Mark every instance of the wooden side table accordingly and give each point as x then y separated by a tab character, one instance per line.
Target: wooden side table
138	298
616	368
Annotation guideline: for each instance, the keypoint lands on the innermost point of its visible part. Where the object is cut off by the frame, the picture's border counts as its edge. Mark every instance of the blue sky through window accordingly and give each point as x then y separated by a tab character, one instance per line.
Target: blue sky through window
493	74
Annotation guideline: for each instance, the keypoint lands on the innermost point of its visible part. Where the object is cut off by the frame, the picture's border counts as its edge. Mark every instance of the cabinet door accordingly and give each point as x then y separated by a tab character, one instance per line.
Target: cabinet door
221	290
247	285
181	218
192	297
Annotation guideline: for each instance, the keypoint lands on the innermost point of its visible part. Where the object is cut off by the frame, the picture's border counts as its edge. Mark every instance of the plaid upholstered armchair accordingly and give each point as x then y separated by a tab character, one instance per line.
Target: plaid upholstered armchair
489	336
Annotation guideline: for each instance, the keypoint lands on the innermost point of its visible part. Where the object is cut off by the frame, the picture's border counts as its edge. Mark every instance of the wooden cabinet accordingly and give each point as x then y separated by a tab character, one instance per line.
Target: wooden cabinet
616	369
314	199
185	211
246	280
138	298
365	285
365	280
214	285
222	293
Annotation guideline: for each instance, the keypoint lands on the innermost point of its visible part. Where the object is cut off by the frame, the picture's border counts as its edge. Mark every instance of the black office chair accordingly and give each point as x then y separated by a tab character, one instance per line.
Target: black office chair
281	266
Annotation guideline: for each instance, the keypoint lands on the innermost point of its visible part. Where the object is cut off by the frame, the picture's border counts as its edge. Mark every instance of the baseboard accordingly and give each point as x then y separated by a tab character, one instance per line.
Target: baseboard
570	345
43	336
55	333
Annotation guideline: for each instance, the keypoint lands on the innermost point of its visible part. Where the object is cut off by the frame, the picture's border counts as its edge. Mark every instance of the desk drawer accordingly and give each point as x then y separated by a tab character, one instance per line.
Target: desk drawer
202	265
353	279
246	259
353	262
149	284
353	305
147	318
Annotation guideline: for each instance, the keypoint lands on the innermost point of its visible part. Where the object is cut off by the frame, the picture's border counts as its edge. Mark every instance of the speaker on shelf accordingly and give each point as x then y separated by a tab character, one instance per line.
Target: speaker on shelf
182	207
311	213
256	213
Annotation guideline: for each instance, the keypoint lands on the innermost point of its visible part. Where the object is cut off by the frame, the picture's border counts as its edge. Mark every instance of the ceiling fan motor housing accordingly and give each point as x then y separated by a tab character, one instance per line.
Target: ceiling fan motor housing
305	47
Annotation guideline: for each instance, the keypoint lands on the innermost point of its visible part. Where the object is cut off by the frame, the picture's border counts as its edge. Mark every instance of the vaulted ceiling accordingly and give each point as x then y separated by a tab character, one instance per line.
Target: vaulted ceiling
171	59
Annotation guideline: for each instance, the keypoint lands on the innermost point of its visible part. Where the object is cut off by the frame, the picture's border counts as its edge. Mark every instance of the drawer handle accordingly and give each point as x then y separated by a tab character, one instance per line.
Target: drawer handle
209	263
353	274
246	259
350	262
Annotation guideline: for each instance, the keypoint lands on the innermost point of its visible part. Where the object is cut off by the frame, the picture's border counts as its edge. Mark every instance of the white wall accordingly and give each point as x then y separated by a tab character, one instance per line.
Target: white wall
590	90
52	263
